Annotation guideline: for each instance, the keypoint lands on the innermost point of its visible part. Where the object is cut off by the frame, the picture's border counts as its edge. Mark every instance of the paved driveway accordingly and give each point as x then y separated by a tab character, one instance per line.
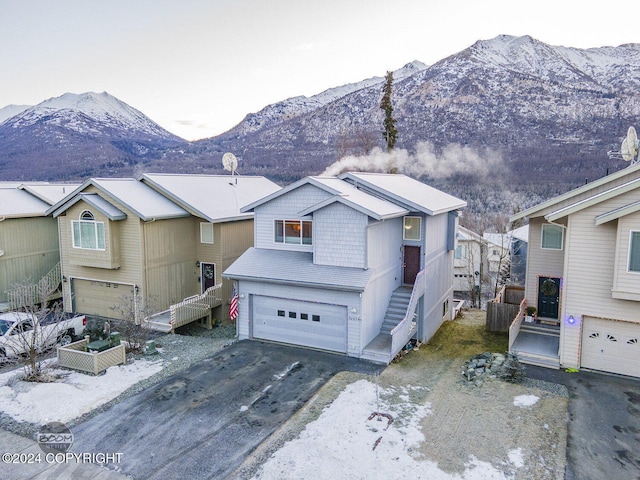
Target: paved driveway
203	422
603	426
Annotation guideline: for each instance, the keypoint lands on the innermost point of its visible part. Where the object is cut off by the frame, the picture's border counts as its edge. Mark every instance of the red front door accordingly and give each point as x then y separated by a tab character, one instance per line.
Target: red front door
411	264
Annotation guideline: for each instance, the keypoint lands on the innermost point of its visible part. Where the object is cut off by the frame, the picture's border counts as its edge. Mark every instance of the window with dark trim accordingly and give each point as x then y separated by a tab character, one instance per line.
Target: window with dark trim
315	318
294	232
304	316
634	252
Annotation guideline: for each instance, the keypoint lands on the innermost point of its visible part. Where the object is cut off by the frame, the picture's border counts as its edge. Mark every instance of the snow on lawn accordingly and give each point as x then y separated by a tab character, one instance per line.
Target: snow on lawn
71	395
344	443
525	400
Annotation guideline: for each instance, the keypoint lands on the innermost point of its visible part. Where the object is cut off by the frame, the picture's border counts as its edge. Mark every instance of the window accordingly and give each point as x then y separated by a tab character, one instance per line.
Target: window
304	316
206	232
634	252
412	227
552	236
458	252
295	232
281	313
293	315
315	318
87	233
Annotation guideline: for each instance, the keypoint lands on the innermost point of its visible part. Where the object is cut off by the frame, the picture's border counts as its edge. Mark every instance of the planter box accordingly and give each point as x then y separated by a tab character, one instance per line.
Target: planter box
74	356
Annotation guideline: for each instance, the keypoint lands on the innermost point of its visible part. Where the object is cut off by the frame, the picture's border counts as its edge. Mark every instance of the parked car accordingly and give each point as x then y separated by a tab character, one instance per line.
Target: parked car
20	330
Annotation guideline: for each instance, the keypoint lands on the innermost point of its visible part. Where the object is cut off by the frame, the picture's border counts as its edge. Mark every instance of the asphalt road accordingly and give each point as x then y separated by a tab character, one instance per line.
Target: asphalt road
603	430
202	423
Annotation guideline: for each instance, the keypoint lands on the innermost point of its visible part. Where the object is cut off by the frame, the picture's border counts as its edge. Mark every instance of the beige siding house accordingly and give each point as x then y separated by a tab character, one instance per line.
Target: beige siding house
583	273
29	249
143	242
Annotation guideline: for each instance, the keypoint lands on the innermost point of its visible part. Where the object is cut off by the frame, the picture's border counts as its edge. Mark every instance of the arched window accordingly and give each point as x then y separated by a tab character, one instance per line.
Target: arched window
87	233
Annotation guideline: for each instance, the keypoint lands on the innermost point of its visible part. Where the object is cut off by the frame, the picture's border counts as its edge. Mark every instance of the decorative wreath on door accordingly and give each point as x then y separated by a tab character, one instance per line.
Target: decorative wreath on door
549	288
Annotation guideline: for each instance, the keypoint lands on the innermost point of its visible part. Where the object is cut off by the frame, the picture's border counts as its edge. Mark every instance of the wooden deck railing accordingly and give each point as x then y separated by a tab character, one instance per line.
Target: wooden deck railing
32	294
402	332
514	328
195	307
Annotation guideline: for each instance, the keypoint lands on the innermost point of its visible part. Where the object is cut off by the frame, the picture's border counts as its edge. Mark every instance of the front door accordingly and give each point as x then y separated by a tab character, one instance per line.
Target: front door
411	264
548	297
208	275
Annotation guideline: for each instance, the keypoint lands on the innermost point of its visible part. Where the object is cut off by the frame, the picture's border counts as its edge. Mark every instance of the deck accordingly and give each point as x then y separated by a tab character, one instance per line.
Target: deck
538	344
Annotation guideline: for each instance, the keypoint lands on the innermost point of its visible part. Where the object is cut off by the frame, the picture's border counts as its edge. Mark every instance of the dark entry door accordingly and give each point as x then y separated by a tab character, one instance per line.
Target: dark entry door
548	297
411	264
208	275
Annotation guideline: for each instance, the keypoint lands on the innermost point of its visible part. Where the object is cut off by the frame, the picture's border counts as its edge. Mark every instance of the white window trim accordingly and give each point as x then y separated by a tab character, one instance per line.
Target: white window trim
404	229
562	229
202	239
95	224
633	272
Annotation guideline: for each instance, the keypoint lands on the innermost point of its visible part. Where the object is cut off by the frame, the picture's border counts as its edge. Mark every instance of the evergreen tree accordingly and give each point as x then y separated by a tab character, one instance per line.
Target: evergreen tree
390	133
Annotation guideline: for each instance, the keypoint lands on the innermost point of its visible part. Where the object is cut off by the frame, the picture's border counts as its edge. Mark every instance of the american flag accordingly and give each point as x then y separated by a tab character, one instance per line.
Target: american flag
233	304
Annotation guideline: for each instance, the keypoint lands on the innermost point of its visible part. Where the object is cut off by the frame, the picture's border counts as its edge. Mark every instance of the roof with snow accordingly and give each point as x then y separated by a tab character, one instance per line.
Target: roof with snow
50	192
16	203
142	200
216	198
257	264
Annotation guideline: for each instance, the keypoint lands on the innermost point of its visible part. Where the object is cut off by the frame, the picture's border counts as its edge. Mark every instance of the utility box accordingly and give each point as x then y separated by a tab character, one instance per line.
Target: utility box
114	338
98	346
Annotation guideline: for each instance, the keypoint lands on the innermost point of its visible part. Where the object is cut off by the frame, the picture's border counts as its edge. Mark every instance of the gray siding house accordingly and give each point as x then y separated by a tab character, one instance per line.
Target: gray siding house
357	264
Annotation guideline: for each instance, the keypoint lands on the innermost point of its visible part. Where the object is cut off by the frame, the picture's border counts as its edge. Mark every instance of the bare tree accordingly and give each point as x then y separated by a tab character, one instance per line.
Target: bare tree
132	309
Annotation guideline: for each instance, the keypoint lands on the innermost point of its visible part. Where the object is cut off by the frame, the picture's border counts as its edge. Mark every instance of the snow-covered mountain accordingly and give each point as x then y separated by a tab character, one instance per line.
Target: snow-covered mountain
11	110
75	135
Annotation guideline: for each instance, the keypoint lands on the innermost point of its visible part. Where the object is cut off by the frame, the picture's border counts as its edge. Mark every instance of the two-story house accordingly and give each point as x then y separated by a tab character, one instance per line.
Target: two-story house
29	249
583	277
151	242
357	264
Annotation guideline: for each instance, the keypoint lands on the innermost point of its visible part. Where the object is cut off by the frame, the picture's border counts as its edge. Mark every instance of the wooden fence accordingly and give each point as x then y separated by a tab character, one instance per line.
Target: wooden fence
503	309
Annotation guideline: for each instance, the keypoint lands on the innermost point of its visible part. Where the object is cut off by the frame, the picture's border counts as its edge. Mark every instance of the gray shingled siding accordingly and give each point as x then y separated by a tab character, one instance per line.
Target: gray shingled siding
285	207
339	236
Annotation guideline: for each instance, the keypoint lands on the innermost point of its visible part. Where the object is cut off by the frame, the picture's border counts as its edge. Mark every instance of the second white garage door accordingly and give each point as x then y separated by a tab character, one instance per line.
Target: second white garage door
310	324
611	346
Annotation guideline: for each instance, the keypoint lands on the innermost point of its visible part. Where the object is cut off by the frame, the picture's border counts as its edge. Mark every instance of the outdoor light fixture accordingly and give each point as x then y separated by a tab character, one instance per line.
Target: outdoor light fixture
354	310
571	320
197	263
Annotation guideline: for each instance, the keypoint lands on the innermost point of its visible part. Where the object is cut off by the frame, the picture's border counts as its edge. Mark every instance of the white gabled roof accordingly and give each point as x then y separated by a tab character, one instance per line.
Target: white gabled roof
141	199
384	195
216	198
16	203
407	191
374	207
536	209
50	192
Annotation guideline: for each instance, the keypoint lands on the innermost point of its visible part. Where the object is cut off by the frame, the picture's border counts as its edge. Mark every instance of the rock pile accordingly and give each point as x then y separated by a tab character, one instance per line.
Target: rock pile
482	366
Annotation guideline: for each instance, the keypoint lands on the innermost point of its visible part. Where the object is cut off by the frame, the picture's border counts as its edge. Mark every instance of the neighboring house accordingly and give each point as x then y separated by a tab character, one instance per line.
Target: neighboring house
478	262
29	249
150	242
509	251
357	264
583	276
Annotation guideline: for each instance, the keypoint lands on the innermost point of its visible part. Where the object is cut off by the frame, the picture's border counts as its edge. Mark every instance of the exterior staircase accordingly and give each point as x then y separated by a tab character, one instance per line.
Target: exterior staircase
396	310
538	344
380	349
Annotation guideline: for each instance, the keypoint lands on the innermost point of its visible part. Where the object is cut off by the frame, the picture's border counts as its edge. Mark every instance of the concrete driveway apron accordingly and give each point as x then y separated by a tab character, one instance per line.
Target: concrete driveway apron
203	422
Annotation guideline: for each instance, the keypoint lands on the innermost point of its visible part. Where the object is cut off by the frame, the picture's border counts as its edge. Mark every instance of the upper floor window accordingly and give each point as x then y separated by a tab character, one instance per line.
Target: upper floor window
295	232
634	252
206	232
552	236
458	252
87	233
412	227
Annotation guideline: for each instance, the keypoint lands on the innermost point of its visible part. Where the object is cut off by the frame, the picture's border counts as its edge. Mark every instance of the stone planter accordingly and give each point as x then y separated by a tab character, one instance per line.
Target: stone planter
75	356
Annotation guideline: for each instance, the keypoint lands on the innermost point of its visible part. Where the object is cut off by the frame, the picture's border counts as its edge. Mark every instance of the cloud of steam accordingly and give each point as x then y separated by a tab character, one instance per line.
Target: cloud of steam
454	159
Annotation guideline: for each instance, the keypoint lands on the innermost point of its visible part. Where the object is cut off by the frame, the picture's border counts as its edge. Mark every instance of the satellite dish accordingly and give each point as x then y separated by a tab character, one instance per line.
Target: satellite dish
629	147
229	162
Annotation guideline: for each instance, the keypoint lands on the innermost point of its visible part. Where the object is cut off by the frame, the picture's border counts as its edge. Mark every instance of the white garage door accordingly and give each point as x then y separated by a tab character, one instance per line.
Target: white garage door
611	346
311	324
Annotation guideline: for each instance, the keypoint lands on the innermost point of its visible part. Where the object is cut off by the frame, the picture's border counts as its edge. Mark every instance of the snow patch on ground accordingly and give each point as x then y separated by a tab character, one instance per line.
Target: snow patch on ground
347	441
516	458
525	400
72	394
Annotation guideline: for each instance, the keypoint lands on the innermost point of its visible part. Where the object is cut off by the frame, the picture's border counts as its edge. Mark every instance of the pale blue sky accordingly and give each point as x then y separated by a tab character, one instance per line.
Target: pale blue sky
197	67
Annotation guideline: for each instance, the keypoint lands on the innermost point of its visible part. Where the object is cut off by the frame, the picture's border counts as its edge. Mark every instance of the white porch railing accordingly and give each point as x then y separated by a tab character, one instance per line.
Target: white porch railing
514	328
403	332
188	310
31	294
